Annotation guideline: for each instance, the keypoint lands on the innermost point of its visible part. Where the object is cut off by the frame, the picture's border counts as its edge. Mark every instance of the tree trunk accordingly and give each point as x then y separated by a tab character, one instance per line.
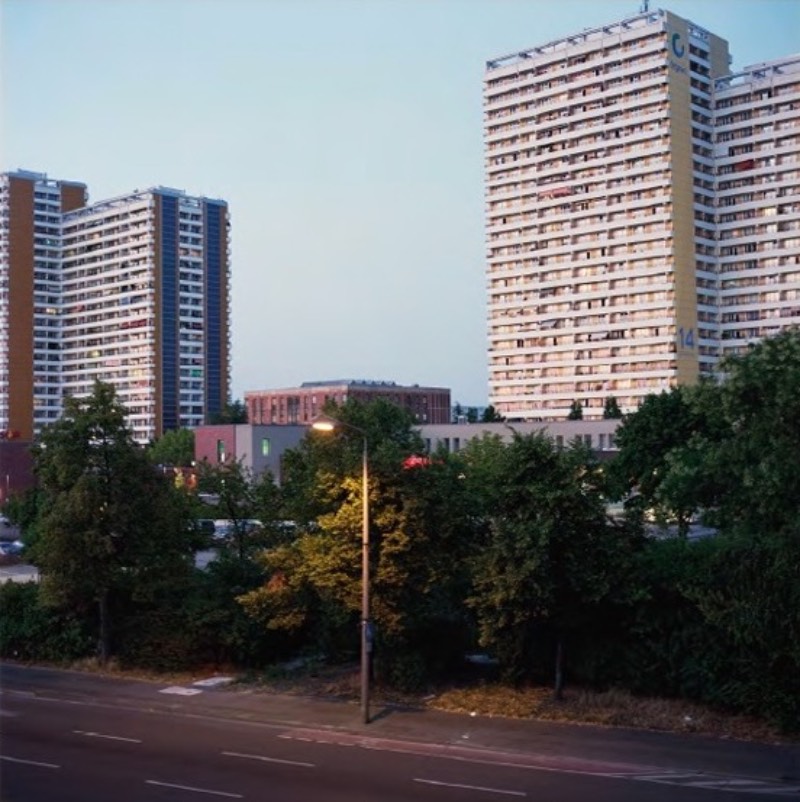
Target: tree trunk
558	690
104	640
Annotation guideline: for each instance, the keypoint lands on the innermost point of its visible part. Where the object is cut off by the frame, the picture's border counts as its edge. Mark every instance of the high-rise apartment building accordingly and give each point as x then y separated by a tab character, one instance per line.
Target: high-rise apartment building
757	158
607	161
138	298
31	208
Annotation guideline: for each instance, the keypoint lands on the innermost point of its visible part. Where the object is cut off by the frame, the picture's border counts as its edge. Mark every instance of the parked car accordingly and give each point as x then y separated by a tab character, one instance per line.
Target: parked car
11	551
224	528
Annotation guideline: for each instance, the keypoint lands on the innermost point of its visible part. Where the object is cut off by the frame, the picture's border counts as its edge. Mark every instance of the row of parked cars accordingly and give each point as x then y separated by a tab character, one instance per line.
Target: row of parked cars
222	528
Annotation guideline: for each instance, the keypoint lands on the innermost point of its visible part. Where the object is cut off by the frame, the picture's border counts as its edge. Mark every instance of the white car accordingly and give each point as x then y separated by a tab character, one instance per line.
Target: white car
224	527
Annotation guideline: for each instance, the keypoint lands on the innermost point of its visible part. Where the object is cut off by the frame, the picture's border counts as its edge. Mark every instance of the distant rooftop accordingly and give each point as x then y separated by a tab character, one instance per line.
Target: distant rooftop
349	382
642	19
31	175
139	195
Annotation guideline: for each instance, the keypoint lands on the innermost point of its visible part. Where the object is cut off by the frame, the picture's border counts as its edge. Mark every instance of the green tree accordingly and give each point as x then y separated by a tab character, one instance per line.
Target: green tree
470	414
732	451
174	448
746	472
22	510
233	412
575	411
549	557
111	531
611	409
491	415
646	439
242	498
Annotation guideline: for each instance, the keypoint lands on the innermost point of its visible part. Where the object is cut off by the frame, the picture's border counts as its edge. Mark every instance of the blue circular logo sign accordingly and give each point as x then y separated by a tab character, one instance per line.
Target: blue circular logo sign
677	48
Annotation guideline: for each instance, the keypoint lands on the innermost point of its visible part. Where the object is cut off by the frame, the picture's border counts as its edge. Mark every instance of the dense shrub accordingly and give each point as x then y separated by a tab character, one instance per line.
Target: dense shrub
716	621
30	631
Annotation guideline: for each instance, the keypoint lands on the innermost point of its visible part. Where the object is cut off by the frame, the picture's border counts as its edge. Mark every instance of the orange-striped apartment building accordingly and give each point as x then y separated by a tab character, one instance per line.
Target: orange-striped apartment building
132	291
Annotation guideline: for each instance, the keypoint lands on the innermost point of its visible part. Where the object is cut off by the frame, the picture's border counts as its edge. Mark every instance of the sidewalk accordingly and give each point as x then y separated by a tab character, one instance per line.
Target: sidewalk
603	749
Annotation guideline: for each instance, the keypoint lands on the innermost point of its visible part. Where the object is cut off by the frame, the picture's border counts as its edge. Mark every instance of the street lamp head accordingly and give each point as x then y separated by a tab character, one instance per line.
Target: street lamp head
323	425
326	423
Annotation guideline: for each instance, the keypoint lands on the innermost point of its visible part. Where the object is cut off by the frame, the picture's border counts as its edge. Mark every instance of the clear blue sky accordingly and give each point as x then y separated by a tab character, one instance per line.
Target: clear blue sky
344	134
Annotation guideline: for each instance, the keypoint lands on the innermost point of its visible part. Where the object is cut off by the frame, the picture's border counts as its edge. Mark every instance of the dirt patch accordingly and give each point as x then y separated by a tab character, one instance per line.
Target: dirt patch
615	708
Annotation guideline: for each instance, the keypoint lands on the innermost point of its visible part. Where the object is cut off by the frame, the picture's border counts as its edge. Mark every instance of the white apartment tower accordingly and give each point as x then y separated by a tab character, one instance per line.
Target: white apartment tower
757	157
145	288
132	291
604	268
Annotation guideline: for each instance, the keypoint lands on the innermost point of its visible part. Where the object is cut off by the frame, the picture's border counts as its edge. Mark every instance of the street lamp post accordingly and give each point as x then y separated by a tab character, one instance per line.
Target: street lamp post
328	424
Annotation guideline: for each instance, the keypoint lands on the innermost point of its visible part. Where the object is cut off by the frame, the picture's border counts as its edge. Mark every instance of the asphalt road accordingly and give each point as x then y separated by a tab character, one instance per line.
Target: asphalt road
70	738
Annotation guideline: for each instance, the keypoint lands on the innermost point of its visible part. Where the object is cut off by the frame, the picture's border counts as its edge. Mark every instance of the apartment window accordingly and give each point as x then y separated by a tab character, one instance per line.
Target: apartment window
220	451
265	446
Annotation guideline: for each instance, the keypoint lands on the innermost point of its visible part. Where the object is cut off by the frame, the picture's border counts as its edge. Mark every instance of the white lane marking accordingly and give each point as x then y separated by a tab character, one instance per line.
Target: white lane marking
471	787
196	790
669	777
270	759
29	762
732	784
214	682
107	737
179	691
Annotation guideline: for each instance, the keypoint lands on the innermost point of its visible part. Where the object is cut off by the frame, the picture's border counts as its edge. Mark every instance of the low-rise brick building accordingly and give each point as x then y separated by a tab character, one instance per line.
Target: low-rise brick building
300	405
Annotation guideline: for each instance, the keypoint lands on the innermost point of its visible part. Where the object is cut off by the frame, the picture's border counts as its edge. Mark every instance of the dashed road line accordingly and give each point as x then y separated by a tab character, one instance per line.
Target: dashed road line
29	762
194	789
107	737
463	787
266	759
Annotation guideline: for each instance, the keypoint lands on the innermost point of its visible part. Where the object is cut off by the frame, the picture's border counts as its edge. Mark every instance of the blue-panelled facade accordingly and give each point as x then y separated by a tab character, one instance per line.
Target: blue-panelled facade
216	306
170	370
